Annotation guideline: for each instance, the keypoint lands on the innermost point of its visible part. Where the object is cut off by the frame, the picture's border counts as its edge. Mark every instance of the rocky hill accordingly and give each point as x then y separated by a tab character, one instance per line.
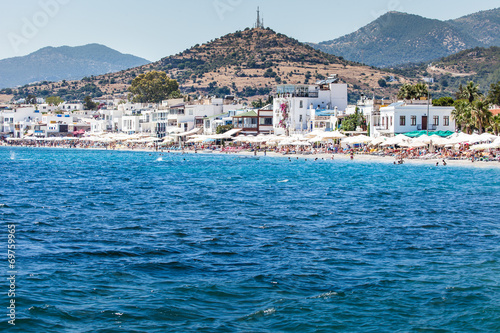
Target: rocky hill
248	64
64	63
398	38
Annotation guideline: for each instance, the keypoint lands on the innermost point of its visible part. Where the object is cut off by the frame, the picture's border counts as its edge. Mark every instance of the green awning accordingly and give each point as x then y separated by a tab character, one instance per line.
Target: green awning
416	134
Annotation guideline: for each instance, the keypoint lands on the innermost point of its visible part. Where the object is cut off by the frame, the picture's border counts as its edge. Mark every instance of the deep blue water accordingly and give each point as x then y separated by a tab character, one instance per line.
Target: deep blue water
124	242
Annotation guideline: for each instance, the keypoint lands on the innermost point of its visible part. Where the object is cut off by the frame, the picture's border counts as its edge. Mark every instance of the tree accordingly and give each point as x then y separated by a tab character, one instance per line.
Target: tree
470	92
223	129
31	99
495	124
258	103
443	101
421	90
481	114
382	83
88	104
154	87
494	93
351	122
406	91
463	115
54	100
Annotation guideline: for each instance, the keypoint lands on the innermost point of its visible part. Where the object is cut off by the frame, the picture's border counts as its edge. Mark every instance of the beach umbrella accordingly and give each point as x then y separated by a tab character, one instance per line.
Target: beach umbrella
300	143
459	138
315	133
332	135
357	139
488	137
396	140
439	141
426	139
378	141
416	144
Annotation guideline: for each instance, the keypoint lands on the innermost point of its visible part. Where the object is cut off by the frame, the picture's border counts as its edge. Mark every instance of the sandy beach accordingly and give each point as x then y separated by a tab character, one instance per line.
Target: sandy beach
363	158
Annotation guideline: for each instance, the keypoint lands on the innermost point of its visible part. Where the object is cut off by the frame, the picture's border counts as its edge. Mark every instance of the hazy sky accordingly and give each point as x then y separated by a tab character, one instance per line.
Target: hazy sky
153	29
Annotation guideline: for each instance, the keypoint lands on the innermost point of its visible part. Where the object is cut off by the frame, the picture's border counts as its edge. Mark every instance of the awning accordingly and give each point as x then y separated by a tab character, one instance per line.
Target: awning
188	133
231	132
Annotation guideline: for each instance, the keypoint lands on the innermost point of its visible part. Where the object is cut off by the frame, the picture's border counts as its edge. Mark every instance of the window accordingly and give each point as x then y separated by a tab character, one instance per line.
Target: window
436	120
300	118
413	120
301	104
383	121
446	120
391	121
266	121
402	121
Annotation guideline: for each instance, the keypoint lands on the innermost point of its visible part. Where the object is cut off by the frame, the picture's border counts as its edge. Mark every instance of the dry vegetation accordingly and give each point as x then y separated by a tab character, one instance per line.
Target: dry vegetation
247	63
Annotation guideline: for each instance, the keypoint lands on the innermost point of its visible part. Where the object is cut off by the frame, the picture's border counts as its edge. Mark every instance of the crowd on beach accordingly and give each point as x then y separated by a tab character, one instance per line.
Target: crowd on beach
462	152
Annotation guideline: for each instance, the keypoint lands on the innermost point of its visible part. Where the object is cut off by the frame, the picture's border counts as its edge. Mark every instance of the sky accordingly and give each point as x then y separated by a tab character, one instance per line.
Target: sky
153	29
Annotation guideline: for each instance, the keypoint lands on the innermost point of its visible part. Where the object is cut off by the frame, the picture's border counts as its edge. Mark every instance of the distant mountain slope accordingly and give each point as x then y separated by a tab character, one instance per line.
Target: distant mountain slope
64	63
481	65
398	38
483	26
247	63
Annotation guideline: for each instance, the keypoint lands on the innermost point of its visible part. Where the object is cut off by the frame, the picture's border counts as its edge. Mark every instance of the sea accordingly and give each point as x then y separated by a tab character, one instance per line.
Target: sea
111	241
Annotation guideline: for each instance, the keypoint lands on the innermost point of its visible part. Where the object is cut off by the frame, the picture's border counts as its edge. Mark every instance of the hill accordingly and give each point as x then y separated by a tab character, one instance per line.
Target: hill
64	63
483	26
481	65
248	64
398	38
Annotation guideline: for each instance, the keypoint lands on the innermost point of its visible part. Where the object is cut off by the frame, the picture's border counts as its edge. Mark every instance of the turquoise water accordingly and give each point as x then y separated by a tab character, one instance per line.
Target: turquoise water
138	242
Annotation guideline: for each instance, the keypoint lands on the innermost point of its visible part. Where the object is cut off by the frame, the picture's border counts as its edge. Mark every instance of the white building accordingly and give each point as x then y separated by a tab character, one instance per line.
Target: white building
19	120
292	104
402	117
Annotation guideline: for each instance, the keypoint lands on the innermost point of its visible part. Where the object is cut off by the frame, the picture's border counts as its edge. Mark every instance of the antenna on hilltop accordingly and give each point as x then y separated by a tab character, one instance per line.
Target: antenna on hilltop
260	23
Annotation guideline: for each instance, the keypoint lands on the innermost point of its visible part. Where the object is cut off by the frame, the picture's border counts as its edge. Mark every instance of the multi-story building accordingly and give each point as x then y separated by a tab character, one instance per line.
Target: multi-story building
292	103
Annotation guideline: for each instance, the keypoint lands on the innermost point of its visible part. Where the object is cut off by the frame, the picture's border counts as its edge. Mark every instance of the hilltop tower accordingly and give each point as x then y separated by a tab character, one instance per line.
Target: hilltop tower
260	22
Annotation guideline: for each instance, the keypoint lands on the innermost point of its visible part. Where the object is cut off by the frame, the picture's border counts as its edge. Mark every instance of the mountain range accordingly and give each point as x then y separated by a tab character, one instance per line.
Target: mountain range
246	63
398	38
64	63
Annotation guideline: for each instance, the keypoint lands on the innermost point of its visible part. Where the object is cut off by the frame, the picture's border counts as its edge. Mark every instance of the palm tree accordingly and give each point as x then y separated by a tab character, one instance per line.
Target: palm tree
470	92
420	90
481	114
406	91
495	124
463	115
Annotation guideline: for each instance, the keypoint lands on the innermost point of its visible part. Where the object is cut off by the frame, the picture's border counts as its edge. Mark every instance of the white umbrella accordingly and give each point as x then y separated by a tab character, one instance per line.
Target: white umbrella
301	143
417	144
379	140
315	133
332	135
424	139
357	139
458	138
400	138
488	137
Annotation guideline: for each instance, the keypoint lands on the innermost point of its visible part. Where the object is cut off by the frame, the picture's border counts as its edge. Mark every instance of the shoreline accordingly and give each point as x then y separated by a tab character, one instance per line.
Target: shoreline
366	158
